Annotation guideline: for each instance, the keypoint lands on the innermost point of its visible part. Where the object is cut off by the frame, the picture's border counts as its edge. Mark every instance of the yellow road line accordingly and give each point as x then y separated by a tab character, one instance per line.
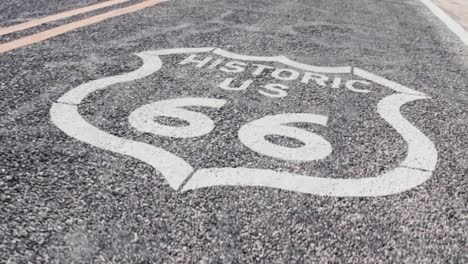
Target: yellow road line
51	18
74	25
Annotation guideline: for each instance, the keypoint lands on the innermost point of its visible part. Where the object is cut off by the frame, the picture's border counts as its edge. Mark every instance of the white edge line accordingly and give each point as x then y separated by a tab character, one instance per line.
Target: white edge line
448	21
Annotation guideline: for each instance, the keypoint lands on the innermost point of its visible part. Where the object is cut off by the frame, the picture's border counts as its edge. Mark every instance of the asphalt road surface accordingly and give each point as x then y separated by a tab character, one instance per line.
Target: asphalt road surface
305	131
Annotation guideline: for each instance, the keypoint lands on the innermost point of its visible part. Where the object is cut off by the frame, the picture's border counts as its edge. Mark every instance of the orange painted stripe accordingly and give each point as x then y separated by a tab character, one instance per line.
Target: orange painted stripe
70	13
74	25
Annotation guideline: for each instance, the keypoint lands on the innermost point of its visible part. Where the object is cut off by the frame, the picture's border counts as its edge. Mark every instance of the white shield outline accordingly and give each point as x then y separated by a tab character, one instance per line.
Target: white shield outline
415	169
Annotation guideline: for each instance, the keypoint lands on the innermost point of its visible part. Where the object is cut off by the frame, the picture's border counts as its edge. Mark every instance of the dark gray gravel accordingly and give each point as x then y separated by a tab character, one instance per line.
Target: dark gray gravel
64	201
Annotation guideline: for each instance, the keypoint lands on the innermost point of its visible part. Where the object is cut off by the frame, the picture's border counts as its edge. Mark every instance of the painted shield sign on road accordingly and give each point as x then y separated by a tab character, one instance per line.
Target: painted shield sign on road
207	117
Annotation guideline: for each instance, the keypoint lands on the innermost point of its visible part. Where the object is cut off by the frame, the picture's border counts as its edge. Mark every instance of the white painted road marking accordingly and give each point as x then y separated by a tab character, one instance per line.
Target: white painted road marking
448	21
38	37
59	16
143	118
315	147
417	167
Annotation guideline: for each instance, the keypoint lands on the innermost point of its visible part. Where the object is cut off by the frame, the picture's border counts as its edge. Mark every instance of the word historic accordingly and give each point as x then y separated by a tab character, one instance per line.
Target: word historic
275	90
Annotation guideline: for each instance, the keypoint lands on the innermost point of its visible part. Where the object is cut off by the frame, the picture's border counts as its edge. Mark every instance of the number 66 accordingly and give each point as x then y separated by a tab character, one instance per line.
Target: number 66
251	134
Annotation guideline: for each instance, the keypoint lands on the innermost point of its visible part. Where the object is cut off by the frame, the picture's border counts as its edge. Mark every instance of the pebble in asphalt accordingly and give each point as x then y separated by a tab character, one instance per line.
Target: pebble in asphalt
66	201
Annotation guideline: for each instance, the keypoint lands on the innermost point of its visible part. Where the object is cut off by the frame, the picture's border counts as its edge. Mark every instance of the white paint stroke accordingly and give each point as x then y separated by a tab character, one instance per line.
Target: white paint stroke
384	82
65	115
314	147
414	170
143	118
456	28
67	118
421	153
150	65
393	182
59	16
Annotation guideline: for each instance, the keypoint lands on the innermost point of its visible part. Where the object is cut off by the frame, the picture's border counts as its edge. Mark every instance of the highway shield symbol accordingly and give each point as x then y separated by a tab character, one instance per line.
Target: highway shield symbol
279	125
